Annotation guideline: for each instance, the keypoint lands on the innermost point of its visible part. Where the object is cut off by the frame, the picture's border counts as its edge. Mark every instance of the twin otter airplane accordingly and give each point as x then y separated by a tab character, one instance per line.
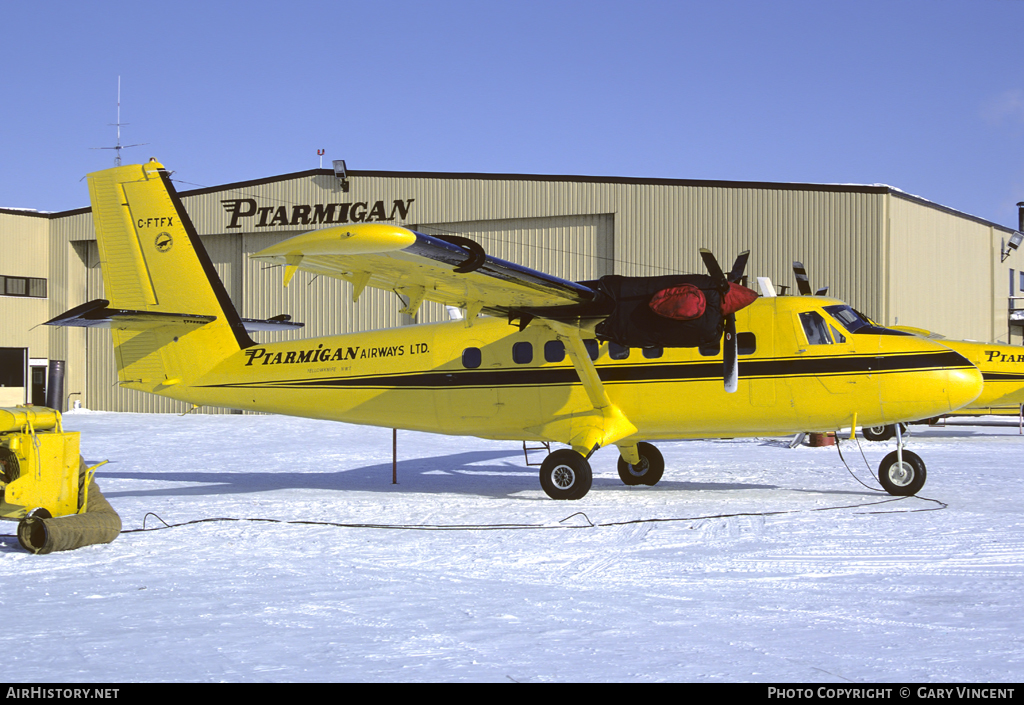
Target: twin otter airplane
620	361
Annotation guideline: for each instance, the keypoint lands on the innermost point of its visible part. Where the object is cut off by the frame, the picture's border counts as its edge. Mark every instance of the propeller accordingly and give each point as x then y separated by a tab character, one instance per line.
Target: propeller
803	283
730	346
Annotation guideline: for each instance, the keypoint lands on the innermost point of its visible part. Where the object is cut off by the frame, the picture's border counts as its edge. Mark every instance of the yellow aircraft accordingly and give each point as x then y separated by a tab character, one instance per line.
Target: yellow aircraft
1001	366
587	364
1002	370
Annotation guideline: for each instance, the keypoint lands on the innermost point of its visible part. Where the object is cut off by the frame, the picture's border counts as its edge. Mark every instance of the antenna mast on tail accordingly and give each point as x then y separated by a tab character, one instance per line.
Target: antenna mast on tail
118	147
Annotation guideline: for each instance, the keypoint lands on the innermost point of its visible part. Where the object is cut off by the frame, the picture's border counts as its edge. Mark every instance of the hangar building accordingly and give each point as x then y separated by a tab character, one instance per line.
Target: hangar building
898	258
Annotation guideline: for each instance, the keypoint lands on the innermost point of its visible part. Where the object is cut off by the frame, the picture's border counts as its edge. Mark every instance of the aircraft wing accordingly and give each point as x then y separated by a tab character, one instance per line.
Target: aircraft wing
453	271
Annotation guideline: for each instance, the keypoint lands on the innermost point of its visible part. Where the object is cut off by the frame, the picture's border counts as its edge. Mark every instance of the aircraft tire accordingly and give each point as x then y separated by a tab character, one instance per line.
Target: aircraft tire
882	433
648	472
879	433
565	474
10	470
902	482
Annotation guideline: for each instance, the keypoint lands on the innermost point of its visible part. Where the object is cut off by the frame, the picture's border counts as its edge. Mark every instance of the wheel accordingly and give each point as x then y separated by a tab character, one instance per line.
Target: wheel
565	474
879	433
883	433
905	480
648	471
10	470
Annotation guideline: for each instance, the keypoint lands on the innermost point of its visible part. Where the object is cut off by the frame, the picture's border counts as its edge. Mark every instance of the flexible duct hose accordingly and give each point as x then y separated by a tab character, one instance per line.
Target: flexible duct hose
98	524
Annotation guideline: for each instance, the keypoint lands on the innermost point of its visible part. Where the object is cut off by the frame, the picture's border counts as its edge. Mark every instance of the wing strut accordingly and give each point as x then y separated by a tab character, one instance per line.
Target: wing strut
606	423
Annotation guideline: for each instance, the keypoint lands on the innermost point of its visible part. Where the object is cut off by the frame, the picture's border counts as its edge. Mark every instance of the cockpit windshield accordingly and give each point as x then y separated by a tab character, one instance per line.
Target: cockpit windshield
850	319
856	323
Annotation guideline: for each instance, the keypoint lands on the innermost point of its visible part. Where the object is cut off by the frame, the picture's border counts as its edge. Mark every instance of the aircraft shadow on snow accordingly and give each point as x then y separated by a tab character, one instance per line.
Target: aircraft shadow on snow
478	473
495	473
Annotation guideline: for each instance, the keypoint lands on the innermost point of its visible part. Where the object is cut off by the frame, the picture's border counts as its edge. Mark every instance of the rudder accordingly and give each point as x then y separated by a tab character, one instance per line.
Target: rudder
154	263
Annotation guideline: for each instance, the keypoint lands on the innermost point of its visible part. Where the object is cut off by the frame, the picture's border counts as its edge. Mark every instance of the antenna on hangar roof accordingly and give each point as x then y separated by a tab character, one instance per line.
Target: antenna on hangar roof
118	147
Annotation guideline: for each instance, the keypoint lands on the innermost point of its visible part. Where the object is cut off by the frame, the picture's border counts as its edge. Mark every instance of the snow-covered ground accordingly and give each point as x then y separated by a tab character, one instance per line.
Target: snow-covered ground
750	561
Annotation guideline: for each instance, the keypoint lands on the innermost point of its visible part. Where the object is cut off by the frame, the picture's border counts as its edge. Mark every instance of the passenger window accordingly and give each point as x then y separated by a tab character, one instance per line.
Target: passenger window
710	349
815	328
554	351
522	353
653	353
617	352
593	348
471	358
747	343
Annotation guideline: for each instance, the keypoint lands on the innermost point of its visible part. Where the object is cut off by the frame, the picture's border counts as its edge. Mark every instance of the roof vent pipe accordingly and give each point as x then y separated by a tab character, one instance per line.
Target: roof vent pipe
1017	238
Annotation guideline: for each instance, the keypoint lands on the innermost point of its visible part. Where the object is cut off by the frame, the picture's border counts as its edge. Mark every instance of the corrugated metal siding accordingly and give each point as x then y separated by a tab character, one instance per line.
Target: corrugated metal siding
24	242
68	288
20	317
837	235
940	275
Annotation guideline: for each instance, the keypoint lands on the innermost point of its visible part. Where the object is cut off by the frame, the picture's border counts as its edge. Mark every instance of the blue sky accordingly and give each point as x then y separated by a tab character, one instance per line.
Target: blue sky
924	95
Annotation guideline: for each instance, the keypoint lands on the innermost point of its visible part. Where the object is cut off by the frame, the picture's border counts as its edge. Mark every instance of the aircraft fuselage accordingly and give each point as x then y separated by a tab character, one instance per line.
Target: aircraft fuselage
494	381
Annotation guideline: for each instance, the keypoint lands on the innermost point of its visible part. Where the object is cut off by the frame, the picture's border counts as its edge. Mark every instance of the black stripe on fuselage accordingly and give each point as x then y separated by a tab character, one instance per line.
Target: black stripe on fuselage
1002	376
625	373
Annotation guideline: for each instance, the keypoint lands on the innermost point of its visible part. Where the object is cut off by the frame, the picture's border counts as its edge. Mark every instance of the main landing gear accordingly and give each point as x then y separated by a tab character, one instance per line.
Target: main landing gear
565	474
882	433
648	471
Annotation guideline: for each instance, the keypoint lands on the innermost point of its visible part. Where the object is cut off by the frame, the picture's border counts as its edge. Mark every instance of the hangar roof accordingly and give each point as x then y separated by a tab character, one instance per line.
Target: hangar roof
625	180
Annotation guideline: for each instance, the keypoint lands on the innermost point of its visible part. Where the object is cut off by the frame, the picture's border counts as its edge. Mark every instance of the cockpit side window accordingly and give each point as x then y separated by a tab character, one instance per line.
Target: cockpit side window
815	328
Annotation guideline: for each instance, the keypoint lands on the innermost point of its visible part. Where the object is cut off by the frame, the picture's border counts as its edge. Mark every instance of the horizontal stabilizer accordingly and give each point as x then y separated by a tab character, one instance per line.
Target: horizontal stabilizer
96	314
274	324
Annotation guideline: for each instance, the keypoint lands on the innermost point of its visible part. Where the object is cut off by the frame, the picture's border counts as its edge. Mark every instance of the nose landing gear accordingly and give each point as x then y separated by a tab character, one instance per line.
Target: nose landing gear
902	473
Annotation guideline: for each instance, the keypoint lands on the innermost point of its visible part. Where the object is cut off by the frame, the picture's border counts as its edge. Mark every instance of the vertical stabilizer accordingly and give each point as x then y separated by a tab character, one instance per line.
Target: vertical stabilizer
153	261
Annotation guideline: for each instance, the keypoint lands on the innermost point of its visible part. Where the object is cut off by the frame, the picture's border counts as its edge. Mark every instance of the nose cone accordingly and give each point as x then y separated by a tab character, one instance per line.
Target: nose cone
965	385
934	383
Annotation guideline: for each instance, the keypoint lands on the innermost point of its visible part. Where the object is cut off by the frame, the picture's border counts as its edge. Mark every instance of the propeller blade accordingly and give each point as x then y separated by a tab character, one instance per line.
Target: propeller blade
802	282
730	355
711	264
822	291
738	266
730	346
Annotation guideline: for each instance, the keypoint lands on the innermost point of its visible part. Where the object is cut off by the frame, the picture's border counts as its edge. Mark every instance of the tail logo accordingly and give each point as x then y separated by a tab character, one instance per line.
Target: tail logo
163	242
